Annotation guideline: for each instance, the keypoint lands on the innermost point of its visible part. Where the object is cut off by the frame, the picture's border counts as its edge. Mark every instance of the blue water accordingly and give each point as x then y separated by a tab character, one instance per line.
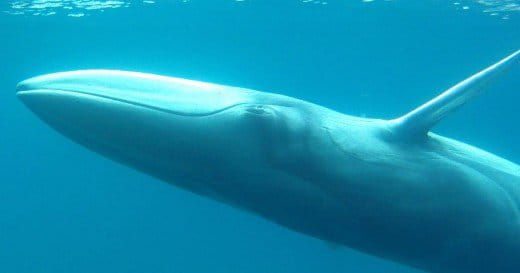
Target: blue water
66	209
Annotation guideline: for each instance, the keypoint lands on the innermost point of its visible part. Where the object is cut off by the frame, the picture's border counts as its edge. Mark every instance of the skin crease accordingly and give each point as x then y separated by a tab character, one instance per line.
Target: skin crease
430	202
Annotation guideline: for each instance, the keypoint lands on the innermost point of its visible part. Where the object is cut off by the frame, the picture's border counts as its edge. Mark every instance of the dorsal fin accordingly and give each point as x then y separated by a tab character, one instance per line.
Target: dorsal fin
419	121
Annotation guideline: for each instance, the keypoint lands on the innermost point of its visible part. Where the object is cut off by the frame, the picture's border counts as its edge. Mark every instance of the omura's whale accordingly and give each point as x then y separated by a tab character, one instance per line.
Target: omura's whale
389	188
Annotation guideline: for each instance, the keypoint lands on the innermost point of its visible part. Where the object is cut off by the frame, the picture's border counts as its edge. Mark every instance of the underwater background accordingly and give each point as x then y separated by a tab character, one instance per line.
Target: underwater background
66	209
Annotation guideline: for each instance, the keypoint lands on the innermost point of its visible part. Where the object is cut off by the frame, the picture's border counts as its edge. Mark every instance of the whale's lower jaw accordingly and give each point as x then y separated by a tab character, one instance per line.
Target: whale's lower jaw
49	94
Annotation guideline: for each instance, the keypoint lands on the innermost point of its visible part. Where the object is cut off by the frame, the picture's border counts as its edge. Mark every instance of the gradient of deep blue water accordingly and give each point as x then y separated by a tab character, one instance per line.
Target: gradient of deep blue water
66	209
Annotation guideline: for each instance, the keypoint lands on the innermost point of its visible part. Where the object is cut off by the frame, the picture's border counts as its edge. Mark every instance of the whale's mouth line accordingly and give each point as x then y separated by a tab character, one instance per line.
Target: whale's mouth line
122	100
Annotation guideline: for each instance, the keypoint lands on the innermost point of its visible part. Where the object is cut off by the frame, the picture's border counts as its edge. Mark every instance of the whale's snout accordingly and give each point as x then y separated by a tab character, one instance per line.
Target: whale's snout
22	86
174	95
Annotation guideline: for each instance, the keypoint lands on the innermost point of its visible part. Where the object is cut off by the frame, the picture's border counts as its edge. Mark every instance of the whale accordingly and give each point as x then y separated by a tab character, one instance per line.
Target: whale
390	188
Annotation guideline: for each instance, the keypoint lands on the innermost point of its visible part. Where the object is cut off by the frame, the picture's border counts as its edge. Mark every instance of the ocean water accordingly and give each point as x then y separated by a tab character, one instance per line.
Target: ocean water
66	209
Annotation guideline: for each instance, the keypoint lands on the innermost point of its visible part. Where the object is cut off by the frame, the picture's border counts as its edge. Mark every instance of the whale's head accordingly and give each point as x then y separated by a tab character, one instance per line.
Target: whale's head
165	126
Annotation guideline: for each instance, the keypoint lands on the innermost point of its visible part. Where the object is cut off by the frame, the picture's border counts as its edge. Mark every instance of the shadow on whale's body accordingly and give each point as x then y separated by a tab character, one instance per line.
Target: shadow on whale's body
389	188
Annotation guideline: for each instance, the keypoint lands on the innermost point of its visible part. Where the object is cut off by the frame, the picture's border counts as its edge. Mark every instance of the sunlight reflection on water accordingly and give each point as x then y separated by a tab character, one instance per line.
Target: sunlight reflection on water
80	8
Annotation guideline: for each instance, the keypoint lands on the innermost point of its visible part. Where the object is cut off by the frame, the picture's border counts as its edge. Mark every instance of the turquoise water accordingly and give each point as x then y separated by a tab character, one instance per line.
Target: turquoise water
65	209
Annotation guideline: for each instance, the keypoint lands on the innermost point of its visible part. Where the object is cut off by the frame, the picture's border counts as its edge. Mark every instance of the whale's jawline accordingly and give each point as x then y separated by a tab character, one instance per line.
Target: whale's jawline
22	92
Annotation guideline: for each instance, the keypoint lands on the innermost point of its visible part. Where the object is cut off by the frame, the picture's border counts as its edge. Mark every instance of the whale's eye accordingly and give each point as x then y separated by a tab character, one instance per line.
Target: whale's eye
256	109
